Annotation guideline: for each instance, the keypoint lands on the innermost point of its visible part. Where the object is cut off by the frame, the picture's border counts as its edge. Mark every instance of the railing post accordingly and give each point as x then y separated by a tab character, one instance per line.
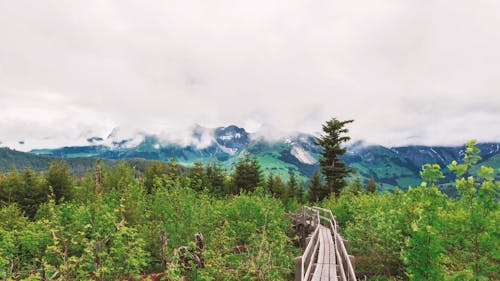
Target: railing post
346	244
299	270
353	262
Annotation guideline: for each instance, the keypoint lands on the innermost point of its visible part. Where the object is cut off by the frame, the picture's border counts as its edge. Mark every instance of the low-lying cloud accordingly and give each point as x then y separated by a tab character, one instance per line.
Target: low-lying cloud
407	71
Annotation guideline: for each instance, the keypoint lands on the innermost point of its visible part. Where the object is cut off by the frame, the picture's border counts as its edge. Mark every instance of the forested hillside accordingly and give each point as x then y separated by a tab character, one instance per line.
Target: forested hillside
79	166
391	167
117	223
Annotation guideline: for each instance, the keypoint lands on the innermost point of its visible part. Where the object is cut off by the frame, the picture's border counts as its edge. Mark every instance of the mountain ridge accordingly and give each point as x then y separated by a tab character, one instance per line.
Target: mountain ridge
390	166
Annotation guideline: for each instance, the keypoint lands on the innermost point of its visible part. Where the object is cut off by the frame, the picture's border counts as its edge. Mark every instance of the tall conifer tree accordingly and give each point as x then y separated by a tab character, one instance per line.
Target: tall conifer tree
332	167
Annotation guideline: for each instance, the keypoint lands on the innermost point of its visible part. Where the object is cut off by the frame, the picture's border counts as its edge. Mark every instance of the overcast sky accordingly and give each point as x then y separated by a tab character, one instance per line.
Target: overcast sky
408	72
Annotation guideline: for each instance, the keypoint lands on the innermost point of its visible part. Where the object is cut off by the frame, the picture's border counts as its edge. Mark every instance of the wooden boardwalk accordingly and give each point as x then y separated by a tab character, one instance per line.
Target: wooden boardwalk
325	257
326	268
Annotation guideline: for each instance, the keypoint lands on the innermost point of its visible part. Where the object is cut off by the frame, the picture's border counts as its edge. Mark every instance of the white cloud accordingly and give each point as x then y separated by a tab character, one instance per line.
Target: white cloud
406	71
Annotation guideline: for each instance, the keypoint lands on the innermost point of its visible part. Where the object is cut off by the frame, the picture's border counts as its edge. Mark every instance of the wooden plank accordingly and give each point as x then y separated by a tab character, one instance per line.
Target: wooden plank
321	254
326	258
333	266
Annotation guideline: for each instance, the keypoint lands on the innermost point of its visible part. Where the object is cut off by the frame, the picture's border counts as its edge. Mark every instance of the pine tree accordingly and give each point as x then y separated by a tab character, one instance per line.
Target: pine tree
274	185
33	193
317	190
118	178
173	170
60	179
332	167
295	189
270	183
216	178
247	175
155	170
299	194
292	185
355	185
371	185
198	179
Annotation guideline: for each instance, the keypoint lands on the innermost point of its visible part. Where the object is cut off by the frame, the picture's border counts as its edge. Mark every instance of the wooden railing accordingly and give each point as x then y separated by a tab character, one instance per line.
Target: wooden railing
304	265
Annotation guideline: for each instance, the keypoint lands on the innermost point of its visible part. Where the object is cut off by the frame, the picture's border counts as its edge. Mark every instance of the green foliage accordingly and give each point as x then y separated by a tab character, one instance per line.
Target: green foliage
118	177
371	185
354	186
275	185
155	170
477	213
60	180
254	245
431	173
28	190
334	170
373	229
295	189
118	235
422	234
133	229
198	179
217	178
247	174
317	190
424	244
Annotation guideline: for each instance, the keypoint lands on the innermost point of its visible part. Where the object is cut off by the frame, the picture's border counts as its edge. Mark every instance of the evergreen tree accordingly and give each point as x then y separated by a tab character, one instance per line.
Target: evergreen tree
28	190
247	174
155	170
173	170
216	177
317	190
118	178
198	179
32	193
274	185
60	179
295	189
371	185
331	141
10	183
292	185
355	186
300	192
270	183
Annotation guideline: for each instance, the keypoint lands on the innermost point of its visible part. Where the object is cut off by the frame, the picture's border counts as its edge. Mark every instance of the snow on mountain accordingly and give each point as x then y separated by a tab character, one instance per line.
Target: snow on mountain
302	155
230	151
231	137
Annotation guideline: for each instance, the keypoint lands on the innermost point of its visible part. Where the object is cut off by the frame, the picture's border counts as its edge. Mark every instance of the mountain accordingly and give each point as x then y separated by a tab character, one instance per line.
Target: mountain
296	154
390	166
400	166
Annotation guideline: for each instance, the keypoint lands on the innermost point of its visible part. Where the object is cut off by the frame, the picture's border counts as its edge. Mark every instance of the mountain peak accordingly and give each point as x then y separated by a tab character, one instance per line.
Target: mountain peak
232	137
